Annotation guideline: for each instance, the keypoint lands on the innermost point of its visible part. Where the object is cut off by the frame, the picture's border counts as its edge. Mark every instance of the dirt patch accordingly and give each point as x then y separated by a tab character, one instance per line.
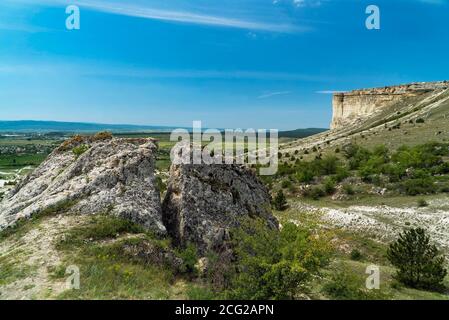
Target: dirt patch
35	252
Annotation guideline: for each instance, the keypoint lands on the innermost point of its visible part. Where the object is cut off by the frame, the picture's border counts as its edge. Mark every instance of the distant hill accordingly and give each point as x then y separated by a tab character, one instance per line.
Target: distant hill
30	126
52	126
301	133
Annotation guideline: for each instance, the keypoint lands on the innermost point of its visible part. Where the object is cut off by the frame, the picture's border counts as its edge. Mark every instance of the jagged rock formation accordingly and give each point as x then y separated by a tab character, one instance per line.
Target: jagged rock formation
93	175
101	174
353	107
204	201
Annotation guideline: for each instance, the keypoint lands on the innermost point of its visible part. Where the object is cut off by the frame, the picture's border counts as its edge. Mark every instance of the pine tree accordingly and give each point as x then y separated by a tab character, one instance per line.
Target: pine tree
280	202
419	263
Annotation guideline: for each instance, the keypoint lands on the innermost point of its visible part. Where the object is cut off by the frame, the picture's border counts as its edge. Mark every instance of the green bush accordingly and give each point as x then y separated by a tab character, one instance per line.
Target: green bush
414	187
422	203
286	184
419	263
329	186
275	265
420	120
79	150
348	189
314	192
305	176
189	256
342	174
345	284
280	202
329	165
356	255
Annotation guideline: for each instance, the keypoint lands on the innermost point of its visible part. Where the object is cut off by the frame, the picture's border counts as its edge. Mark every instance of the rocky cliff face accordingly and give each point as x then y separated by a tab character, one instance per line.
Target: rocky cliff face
97	174
204	202
355	106
101	174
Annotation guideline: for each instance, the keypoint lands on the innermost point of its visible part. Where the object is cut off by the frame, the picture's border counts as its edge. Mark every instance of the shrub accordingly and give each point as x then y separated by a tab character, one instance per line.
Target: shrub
280	202
422	203
329	165
100	136
344	284
189	258
414	187
356	255
342	174
329	186
420	120
275	265
348	189
286	184
79	150
418	262
315	192
305	175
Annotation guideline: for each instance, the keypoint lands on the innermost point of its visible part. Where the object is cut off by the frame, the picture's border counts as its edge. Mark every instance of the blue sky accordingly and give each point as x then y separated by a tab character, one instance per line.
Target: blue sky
229	63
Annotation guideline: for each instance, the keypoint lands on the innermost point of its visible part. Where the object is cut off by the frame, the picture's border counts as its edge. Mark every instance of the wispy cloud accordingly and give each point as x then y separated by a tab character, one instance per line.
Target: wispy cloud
145	11
434	1
329	91
22	28
272	94
95	69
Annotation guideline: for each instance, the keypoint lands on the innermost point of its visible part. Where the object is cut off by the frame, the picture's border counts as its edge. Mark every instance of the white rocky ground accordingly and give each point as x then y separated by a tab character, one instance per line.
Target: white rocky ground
385	222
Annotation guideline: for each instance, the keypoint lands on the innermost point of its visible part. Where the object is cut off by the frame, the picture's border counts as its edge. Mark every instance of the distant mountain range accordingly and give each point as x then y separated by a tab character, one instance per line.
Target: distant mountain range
31	126
28	126
301	133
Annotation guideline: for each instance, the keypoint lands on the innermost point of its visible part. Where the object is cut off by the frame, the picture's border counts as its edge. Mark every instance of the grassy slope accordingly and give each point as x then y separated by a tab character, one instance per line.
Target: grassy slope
94	244
372	253
382	128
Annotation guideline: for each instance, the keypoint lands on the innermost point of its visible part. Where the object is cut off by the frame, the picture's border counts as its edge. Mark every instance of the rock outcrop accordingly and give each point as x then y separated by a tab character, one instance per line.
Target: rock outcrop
355	106
204	202
98	174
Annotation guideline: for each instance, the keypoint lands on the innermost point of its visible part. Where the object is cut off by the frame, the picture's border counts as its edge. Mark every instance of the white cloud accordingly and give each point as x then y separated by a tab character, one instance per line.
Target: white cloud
272	94
434	1
95	69
146	11
329	91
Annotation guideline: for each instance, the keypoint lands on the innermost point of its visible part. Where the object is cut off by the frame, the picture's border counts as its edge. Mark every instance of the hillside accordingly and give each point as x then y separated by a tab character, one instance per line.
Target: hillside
408	119
375	173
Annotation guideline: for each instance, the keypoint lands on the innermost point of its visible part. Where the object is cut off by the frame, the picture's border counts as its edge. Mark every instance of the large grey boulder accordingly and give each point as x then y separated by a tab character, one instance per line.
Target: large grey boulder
203	202
98	174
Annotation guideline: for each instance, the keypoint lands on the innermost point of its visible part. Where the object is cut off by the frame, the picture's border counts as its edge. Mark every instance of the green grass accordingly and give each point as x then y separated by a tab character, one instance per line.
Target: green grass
18	161
12	270
372	200
372	253
24	225
107	272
